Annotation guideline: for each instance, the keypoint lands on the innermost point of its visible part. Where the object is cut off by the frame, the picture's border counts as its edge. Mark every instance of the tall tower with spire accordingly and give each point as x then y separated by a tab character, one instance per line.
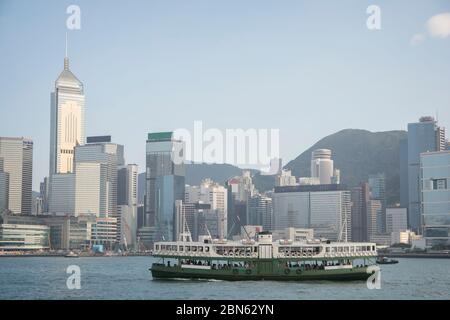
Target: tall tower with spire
67	123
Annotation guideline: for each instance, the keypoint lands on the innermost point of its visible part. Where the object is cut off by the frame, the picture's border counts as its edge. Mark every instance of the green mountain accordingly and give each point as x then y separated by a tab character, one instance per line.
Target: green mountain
359	153
196	172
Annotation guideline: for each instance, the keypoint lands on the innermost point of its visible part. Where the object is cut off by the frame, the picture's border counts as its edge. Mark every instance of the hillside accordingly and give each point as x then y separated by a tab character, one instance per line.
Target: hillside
359	153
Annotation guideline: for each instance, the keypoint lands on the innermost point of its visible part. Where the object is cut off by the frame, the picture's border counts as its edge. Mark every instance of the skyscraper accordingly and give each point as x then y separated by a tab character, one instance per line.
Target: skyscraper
16	156
435	197
91	189
374	208
4	188
423	136
96	166
260	211
396	220
324	208
377	184
193	218
61	199
165	176
44	193
67	129
210	192
240	190
322	167
127	204
360	196
67	124
404	173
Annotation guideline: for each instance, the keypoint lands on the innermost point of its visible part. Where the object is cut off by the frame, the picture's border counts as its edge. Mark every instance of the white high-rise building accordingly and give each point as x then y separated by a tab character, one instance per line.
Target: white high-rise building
99	160
62	194
285	178
16	157
67	125
67	129
322	166
91	189
216	196
242	187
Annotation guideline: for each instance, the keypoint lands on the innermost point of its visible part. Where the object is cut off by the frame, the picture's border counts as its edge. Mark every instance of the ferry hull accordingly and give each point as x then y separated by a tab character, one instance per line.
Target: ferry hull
164	272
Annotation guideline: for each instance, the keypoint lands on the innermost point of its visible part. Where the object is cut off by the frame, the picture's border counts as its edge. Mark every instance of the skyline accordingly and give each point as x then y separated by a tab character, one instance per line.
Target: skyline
230	66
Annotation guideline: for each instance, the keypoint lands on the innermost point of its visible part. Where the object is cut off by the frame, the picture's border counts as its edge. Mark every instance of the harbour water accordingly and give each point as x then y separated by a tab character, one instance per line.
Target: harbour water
129	278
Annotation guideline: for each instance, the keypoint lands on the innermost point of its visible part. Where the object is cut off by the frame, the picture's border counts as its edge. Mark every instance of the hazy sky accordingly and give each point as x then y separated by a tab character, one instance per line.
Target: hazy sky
309	68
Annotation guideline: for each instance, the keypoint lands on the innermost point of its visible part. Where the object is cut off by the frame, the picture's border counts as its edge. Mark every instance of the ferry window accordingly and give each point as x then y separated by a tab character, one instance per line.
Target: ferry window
157	247
207	249
188	248
200	249
174	248
180	248
373	248
327	249
194	249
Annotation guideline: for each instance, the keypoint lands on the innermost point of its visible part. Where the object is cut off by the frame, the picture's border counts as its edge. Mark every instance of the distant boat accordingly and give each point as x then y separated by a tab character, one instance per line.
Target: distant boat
71	254
385	260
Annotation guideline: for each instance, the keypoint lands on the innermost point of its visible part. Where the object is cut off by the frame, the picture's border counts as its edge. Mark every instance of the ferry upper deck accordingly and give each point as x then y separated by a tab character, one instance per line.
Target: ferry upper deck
264	248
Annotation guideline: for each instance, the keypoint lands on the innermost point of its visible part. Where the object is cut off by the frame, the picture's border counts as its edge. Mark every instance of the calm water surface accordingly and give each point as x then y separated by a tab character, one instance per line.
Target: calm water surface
129	278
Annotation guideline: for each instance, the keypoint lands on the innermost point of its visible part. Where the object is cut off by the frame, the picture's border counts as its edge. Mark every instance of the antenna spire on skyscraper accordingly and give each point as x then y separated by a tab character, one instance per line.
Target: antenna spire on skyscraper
66	58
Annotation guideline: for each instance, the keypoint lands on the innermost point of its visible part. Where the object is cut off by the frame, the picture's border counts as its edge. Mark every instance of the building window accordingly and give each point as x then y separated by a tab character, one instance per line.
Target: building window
439	184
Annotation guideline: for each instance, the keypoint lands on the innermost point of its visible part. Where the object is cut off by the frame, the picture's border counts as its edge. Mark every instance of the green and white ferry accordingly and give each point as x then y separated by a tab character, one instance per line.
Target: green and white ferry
263	259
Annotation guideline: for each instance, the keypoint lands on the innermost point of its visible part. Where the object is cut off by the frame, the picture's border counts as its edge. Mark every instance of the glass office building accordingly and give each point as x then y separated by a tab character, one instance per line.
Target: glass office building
324	208
165	182
435	197
423	136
